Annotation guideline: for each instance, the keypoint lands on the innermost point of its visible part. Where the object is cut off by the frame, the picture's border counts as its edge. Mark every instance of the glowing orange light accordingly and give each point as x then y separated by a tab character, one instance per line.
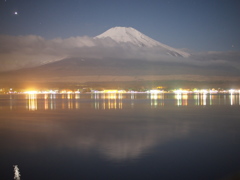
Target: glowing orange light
31	92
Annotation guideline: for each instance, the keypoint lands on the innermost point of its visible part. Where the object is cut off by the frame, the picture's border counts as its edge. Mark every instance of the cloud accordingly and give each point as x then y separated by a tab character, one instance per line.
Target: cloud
217	57
26	51
18	52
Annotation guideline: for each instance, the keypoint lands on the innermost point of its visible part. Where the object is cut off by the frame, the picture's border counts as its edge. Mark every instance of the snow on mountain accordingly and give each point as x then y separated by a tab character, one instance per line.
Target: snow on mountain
131	35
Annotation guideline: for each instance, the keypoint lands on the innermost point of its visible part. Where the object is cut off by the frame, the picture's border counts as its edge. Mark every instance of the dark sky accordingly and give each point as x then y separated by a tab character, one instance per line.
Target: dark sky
199	25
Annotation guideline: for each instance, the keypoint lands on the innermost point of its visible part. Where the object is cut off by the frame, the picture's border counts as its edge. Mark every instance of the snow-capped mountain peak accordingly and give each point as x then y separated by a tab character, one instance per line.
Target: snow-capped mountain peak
133	36
129	34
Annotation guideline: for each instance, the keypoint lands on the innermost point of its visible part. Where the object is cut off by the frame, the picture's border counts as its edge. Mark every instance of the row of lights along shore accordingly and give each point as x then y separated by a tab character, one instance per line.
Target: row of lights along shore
112	91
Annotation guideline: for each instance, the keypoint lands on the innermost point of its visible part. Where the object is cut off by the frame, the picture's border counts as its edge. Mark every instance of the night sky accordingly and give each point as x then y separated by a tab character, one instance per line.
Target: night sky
199	25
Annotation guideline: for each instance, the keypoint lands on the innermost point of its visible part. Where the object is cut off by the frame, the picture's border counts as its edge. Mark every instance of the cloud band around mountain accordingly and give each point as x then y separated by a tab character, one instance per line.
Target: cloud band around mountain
18	52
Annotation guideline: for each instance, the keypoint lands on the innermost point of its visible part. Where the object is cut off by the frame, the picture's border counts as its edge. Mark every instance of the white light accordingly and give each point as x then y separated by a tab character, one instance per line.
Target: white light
181	91
16	173
196	91
231	91
204	91
213	91
31	92
155	91
178	92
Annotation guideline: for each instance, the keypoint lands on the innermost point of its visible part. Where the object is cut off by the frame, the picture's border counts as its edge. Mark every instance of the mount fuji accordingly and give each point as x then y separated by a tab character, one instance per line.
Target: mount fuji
136	38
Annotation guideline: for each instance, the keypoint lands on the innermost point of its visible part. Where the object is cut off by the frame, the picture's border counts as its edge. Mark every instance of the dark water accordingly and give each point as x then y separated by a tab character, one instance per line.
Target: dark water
120	136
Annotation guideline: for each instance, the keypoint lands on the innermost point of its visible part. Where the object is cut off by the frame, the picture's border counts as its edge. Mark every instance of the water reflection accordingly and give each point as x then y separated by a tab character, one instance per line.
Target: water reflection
32	102
100	132
234	99
116	137
196	99
108	101
157	99
181	99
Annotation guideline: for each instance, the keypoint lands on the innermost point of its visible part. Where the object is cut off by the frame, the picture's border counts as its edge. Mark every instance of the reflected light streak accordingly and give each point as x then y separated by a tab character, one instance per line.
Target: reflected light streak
182	99
178	97
155	99
111	101
70	104
132	99
69	96
77	105
32	102
185	99
52	103
210	98
77	96
204	99
11	102
132	96
45	101
233	100
114	100
196	99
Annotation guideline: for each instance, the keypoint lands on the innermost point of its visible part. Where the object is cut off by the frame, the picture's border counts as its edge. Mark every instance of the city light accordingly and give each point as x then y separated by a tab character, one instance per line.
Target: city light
118	91
181	91
155	91
31	92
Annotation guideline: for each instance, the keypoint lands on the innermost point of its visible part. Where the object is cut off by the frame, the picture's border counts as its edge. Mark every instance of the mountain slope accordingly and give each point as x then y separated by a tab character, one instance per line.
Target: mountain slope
79	70
131	35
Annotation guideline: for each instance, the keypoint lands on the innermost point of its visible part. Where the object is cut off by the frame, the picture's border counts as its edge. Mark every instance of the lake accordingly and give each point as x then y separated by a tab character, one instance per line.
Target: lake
120	136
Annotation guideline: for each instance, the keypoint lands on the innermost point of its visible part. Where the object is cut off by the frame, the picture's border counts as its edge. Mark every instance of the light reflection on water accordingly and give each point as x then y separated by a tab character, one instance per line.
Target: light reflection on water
114	100
164	136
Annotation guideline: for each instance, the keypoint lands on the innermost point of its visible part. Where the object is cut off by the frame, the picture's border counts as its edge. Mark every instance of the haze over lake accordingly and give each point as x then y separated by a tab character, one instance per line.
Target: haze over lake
120	136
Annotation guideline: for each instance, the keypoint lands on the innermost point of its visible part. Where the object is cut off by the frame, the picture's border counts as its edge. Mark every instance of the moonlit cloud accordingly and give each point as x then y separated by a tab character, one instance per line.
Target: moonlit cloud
18	52
26	51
